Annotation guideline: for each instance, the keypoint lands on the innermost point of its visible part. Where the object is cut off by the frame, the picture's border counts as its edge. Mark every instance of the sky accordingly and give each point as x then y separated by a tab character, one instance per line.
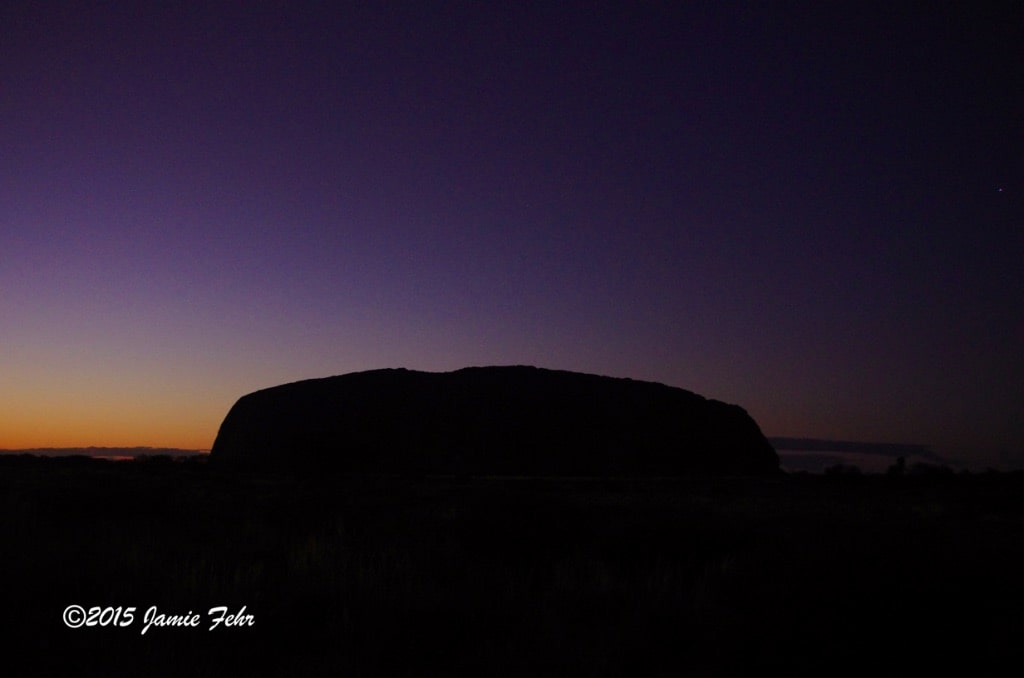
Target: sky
812	210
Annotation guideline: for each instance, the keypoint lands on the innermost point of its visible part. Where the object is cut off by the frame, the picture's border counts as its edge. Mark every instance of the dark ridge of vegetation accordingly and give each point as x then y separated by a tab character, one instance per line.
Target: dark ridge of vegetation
392	576
846	446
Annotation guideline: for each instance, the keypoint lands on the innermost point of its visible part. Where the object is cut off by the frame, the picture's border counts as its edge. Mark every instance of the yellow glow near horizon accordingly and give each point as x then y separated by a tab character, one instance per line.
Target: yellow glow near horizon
64	421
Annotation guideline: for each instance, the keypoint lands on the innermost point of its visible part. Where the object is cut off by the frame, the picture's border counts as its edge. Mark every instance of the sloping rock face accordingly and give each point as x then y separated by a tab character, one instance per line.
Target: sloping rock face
491	421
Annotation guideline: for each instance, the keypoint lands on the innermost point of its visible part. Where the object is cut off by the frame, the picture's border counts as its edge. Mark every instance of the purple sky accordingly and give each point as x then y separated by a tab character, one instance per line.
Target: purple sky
809	209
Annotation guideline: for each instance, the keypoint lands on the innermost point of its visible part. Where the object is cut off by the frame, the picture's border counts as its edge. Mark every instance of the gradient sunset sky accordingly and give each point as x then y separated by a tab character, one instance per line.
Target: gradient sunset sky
809	209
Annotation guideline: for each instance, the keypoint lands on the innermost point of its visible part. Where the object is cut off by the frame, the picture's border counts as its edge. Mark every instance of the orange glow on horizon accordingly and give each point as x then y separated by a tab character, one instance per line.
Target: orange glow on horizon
36	429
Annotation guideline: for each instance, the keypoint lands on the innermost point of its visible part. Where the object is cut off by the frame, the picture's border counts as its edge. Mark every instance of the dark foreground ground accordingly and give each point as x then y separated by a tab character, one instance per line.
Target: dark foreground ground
814	575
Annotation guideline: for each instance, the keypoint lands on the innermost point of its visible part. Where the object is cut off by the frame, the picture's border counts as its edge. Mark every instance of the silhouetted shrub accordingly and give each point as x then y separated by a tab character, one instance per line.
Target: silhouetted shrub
155	459
923	469
843	470
897	469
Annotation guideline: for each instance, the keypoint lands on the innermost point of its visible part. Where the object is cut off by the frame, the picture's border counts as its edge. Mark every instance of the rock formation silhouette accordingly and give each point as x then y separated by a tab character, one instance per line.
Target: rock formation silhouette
490	421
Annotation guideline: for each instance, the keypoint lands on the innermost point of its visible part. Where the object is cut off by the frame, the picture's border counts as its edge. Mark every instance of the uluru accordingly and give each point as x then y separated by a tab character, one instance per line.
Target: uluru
509	420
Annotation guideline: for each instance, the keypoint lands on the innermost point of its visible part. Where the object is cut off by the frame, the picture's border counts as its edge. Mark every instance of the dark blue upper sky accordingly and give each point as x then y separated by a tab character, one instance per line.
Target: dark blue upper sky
811	209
